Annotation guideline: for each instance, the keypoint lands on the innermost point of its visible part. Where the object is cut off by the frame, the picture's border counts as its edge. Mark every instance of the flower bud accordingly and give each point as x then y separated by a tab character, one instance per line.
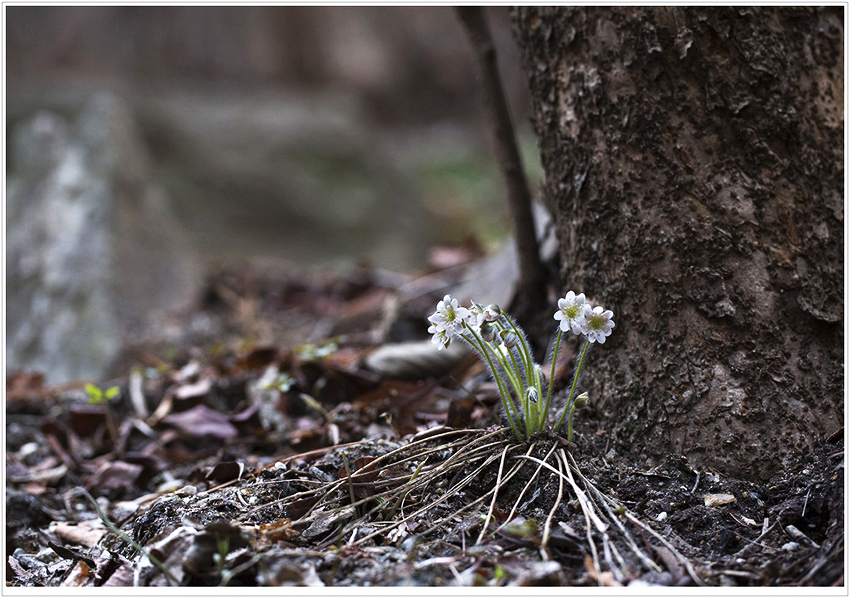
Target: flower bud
531	394
492	313
581	401
487	332
509	339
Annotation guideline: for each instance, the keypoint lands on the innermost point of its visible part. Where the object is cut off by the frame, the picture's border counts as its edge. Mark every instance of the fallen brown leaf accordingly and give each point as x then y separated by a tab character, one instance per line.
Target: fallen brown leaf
202	421
85	533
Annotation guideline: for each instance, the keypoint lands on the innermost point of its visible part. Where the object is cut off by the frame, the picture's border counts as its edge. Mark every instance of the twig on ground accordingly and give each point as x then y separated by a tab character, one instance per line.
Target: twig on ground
155	561
528	485
589	516
609	549
495	494
476	502
690	568
451	492
604	501
547	528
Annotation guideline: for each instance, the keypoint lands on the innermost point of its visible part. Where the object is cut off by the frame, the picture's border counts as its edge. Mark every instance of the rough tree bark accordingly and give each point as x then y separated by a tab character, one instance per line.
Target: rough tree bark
694	166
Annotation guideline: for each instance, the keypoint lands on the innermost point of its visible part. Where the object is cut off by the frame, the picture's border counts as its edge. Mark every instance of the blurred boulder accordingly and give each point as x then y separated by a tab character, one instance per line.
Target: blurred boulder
290	173
91	249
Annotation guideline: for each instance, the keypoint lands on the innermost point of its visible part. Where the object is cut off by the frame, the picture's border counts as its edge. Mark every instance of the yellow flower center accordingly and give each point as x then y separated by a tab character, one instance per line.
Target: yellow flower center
597	322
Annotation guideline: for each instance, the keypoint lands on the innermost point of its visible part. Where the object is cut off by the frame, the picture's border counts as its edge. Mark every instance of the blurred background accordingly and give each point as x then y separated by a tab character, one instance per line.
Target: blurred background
148	145
301	133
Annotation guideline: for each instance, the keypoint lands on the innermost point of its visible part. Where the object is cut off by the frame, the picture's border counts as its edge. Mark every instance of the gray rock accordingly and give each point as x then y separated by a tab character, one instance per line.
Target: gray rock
91	250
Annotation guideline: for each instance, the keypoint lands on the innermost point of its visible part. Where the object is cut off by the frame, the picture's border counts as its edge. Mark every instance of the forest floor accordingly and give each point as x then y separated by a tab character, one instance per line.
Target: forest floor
309	461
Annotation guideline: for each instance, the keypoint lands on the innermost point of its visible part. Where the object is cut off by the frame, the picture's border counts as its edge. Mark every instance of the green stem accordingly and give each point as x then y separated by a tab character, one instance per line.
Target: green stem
570	423
568	406
494	350
528	361
513	375
112	527
516	374
552	376
517	381
528	366
477	343
539	419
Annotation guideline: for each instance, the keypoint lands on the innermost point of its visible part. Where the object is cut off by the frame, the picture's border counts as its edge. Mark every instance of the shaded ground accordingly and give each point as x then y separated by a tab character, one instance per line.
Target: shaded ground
293	463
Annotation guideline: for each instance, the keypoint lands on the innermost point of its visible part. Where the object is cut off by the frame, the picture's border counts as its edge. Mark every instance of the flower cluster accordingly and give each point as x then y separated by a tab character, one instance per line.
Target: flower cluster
502	345
450	318
575	314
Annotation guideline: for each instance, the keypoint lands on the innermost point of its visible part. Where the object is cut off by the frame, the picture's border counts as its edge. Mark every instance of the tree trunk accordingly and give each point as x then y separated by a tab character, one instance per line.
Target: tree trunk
694	167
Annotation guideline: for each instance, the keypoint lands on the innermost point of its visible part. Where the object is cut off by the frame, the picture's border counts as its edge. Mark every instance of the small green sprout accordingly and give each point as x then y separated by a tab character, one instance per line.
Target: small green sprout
220	560
503	347
315	405
223	546
97	396
313	352
284	383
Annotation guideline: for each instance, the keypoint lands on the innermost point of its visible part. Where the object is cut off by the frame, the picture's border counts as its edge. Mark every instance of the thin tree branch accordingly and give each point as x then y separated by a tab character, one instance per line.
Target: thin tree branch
531	294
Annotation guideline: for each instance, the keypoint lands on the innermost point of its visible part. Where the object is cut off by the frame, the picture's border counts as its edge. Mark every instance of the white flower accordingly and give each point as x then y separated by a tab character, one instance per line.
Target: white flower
440	338
449	316
569	311
596	324
475	314
479	314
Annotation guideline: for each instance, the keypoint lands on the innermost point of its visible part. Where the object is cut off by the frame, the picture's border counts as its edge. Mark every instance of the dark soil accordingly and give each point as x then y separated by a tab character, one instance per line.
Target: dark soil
223	479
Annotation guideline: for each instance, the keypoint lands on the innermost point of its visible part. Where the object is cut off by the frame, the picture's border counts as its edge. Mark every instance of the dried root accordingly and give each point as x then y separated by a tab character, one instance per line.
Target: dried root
457	478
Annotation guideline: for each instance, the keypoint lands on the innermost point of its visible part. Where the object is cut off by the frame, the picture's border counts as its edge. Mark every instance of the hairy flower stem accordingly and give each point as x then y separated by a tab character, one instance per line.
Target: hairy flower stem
516	379
539	422
551	378
514	375
570	423
569	405
526	351
477	343
530	409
